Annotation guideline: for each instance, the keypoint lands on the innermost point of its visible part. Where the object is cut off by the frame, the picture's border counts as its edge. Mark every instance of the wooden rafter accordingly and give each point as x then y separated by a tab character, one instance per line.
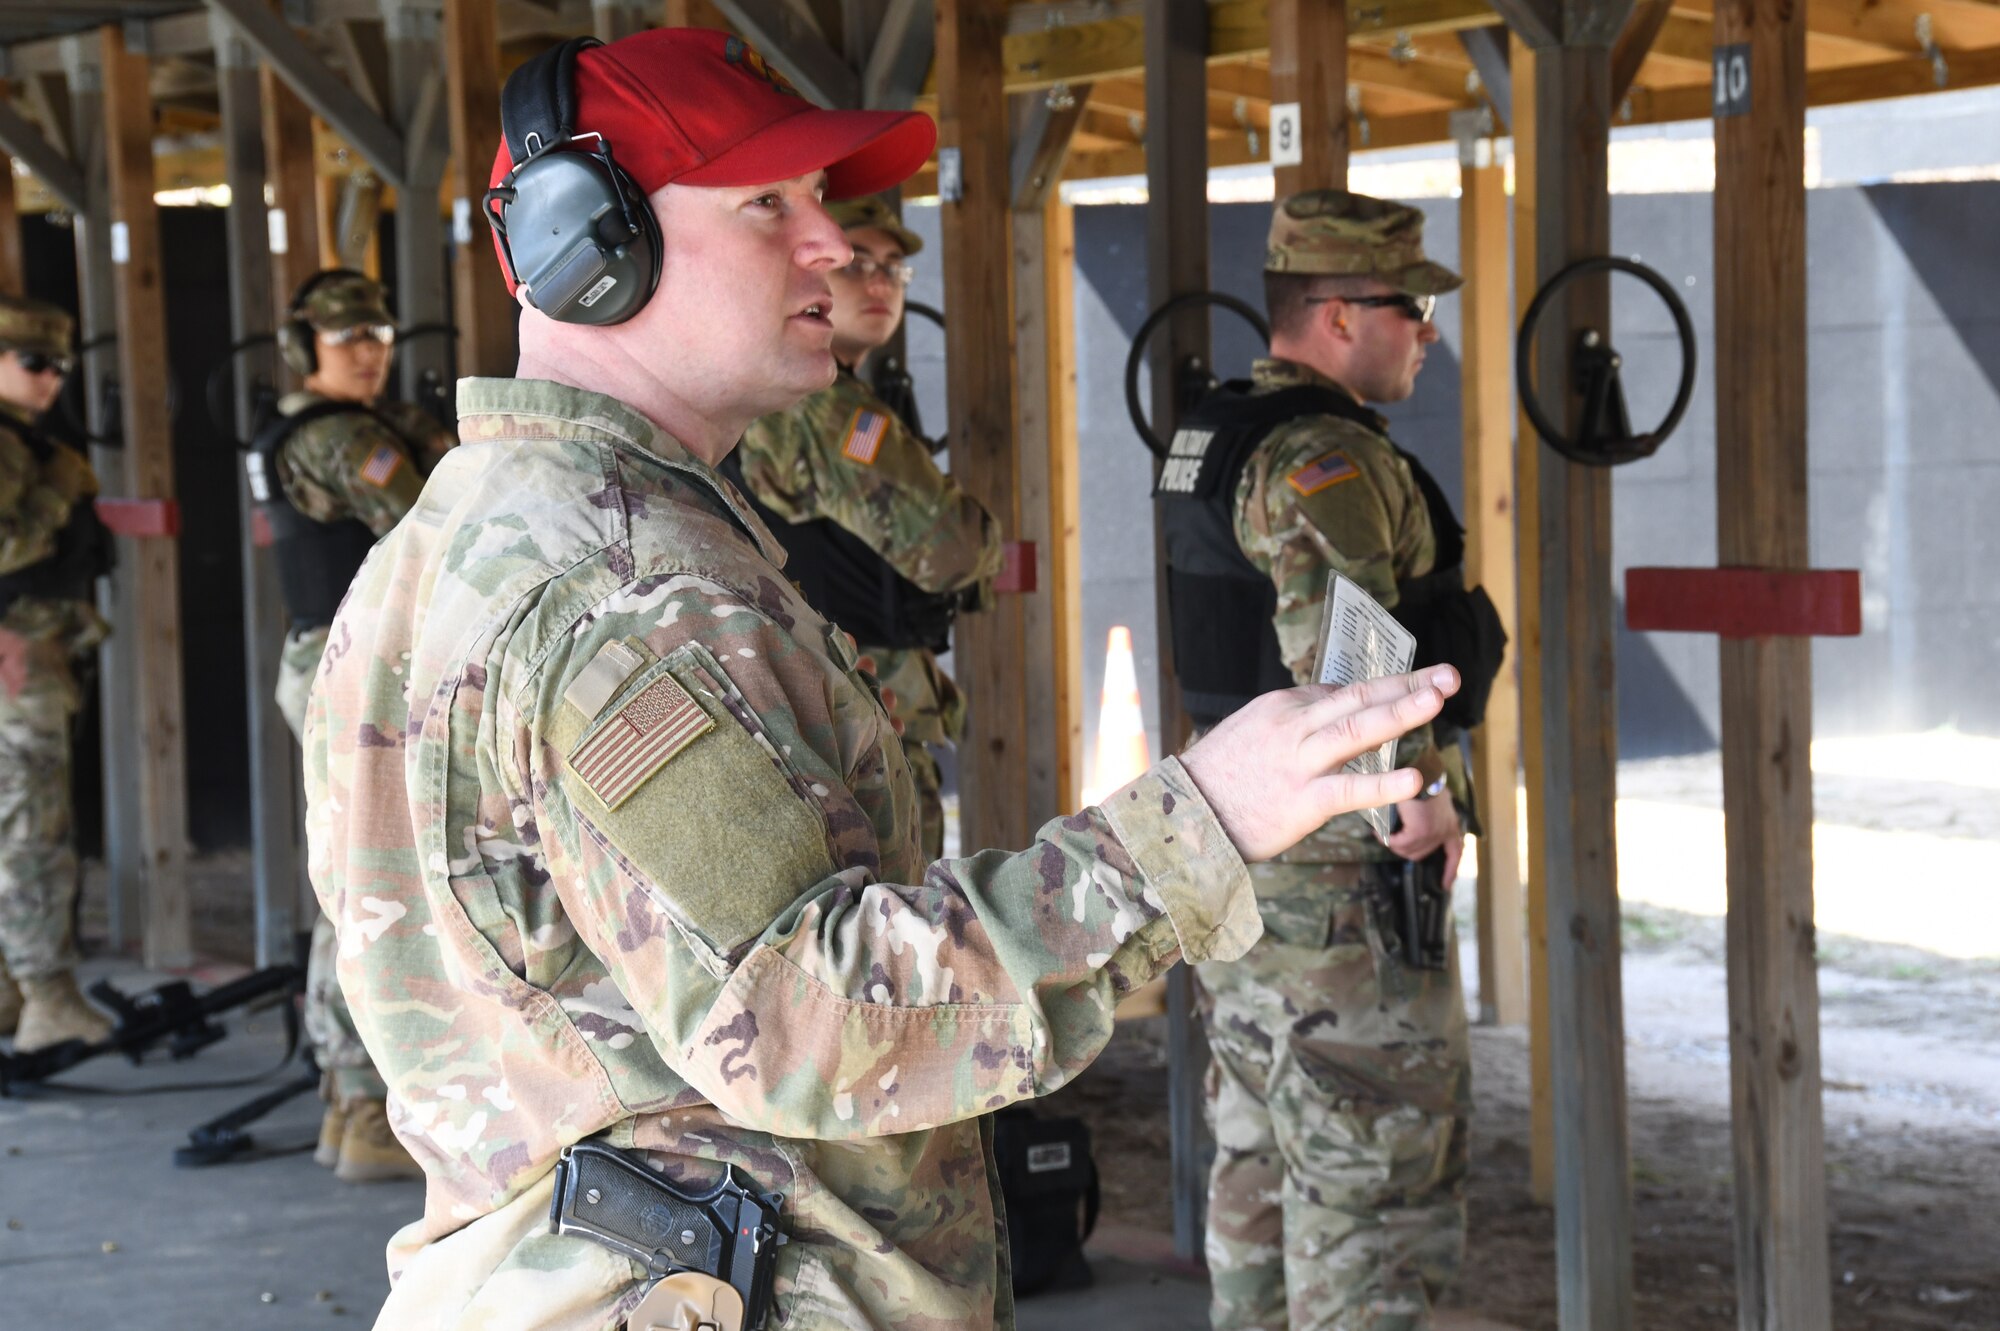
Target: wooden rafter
1115	47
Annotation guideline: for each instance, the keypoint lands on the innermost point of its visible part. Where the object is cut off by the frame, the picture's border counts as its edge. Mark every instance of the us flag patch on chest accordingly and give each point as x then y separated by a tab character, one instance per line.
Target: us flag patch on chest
1318	475
381	465
654	725
864	436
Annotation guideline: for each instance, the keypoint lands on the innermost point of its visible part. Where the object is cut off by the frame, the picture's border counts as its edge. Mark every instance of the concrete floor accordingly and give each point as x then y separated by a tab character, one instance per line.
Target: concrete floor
101	1228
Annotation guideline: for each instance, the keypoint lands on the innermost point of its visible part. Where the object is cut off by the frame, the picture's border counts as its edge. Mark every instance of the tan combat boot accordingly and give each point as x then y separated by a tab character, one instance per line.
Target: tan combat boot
332	1128
369	1152
54	1010
10	1002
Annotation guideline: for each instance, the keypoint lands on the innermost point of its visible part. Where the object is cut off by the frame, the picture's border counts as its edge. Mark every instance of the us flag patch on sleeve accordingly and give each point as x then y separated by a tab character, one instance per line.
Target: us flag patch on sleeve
381	465
864	436
642	735
1318	475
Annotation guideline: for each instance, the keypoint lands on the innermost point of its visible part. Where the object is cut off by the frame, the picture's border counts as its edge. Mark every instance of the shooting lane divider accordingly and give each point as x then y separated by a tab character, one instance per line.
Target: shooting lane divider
1017	573
1743	602
141	517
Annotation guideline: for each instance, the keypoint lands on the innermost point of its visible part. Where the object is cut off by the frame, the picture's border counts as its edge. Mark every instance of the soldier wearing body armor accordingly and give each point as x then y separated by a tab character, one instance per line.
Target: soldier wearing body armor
52	550
334	469
879	540
1341	1082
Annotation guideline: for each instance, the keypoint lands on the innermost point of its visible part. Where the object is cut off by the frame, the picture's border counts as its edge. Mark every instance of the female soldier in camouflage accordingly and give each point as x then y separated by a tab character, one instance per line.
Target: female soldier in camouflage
346	467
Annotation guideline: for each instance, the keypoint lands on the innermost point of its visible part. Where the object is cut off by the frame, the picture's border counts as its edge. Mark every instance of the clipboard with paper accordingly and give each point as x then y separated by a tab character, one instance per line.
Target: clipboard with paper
1360	641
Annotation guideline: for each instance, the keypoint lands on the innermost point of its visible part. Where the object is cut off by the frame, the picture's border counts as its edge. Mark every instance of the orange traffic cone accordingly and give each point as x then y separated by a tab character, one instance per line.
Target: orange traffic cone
1122	753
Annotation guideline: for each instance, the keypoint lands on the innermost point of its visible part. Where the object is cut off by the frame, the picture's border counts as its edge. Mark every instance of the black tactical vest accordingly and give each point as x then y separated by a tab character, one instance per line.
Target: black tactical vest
83	554
1222	605
316	560
843	578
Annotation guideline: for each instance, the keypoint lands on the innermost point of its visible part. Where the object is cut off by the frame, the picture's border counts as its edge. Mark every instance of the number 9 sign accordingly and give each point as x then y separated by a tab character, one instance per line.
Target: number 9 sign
1285	149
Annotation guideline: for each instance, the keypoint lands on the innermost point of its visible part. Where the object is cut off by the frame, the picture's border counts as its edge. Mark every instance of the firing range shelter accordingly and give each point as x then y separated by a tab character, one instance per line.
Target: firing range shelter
318	115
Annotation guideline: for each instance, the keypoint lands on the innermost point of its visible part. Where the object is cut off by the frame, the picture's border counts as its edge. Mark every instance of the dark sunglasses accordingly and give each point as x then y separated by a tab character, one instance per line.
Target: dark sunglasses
35	362
1417	309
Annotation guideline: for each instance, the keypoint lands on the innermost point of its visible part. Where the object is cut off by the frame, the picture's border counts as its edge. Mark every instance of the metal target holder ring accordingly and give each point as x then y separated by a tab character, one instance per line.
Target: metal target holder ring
1193	377
1604	436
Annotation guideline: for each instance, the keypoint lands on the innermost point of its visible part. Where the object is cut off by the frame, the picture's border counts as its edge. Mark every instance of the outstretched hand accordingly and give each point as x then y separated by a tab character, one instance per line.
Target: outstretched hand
1272	770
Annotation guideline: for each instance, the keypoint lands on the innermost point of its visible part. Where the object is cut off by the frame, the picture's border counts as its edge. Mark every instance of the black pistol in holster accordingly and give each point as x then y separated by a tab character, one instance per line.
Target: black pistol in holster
1412	907
729	1232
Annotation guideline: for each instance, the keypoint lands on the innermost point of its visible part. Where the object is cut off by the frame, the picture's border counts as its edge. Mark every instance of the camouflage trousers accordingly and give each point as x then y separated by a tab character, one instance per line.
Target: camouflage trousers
350	1073
930	798
1338	1094
38	869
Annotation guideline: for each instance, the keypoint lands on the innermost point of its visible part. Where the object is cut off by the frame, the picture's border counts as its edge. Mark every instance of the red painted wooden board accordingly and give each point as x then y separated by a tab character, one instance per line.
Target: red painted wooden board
1745	602
1017	574
141	517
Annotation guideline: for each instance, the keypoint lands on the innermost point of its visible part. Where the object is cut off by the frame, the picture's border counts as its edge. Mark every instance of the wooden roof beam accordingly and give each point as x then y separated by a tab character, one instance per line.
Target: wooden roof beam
331	99
1114	47
22	138
1642	34
793	44
1956	25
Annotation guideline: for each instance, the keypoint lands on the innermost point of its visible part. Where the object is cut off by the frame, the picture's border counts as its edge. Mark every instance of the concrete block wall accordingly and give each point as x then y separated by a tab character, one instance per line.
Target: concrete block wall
1904	357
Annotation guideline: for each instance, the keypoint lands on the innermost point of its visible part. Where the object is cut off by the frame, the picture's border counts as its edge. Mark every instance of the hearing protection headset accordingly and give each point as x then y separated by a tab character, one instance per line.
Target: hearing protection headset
297	341
577	232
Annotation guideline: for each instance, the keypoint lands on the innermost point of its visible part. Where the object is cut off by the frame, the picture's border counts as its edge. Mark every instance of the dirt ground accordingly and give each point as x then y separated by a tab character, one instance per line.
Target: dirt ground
1912	1063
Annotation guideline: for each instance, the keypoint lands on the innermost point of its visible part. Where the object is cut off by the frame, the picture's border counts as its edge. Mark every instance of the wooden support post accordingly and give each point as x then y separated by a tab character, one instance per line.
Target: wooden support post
485	313
1309	66
1486	358
161	772
1176	38
1044	332
275	804
290	163
119	657
979	376
1580	714
1527	653
412	33
1782	1277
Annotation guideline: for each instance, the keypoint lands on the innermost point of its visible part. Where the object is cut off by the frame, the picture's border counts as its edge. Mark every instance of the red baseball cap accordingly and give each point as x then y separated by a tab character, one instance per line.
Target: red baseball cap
700	107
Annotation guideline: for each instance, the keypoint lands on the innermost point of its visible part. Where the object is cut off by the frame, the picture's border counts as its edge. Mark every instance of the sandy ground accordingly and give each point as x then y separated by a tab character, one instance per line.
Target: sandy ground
1908	887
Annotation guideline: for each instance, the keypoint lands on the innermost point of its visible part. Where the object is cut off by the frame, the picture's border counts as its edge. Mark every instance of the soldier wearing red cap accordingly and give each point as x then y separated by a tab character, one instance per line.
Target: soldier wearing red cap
619	841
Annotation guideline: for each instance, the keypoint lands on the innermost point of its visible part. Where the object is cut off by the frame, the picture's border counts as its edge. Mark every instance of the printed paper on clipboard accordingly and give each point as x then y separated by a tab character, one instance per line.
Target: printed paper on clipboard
1359	640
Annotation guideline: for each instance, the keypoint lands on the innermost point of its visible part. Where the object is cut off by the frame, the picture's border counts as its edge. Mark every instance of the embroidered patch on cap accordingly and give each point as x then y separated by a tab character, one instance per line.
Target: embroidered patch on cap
1316	476
864	436
381	465
654	724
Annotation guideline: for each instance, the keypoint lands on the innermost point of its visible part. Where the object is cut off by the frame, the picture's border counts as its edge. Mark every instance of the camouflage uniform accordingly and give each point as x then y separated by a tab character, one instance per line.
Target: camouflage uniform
38	866
799	464
331	469
1341	1080
616	835
892	496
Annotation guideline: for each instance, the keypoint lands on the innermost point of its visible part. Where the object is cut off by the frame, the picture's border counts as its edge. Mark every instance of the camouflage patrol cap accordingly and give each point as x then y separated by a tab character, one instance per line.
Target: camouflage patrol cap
1333	232
34	325
871	211
341	299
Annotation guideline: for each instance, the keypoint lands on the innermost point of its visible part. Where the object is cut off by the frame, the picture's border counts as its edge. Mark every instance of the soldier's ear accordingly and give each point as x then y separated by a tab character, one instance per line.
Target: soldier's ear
1334	312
